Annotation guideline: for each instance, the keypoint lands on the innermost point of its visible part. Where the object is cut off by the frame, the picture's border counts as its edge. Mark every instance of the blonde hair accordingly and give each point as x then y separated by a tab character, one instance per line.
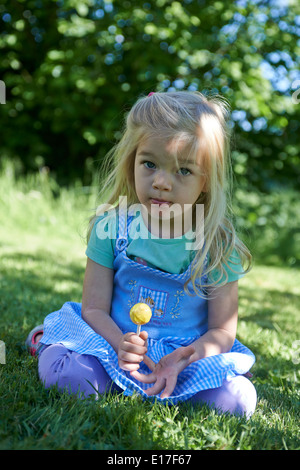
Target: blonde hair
202	122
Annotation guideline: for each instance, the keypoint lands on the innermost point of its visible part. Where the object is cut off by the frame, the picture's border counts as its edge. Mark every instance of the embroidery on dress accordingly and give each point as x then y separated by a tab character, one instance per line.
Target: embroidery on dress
132	283
157	300
175	311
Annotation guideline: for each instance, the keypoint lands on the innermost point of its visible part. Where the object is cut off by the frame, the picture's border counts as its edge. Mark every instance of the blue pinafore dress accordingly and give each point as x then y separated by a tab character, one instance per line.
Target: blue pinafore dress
178	319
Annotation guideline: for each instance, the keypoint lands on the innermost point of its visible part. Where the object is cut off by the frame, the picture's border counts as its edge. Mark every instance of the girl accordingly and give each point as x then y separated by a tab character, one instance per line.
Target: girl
171	162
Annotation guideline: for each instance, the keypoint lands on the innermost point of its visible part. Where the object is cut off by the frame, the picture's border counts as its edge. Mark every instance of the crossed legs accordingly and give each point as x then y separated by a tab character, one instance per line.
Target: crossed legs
84	373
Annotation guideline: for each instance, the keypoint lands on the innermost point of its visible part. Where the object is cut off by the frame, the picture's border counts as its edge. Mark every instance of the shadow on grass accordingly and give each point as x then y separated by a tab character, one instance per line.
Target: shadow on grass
33	285
269	327
266	307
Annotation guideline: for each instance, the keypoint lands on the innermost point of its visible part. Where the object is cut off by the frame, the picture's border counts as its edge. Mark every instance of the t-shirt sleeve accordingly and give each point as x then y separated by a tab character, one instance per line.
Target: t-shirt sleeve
101	244
233	268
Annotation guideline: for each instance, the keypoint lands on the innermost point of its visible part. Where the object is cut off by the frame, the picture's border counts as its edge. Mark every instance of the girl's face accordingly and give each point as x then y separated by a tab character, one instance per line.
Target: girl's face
162	180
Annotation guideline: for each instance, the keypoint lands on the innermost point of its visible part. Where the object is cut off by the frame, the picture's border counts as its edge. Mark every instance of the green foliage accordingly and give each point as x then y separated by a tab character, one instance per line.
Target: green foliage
270	225
72	68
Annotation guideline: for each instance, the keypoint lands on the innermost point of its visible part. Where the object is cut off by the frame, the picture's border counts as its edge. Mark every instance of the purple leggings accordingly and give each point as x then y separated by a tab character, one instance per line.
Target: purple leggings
84	373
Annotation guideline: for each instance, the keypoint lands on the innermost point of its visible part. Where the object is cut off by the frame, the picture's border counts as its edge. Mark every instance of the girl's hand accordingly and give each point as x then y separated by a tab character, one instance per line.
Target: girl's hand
131	351
164	374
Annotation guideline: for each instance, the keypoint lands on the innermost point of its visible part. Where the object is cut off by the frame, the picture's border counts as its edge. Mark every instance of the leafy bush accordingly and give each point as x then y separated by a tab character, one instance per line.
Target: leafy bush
73	67
270	224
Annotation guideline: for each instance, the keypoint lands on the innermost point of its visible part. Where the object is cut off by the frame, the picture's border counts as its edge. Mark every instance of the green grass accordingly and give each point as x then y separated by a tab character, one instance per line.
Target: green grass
42	266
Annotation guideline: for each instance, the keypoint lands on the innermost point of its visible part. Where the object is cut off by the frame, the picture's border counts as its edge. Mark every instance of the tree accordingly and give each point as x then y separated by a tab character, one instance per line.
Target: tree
73	67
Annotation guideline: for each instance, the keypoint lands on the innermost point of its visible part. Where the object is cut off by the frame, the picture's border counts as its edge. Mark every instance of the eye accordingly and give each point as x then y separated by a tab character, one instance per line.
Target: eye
149	165
184	171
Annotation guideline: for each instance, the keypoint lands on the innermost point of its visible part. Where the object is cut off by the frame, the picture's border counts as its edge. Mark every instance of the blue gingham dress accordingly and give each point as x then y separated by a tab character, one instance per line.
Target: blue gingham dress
177	320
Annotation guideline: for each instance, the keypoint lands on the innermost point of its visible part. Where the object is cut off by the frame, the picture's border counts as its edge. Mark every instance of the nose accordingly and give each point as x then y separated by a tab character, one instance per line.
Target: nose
162	181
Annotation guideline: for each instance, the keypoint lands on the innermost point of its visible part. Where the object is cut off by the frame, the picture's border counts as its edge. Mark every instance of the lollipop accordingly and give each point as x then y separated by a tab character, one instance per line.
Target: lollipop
140	314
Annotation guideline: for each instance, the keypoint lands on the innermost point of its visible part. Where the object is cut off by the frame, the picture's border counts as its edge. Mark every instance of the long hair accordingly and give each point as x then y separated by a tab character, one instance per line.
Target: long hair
202	122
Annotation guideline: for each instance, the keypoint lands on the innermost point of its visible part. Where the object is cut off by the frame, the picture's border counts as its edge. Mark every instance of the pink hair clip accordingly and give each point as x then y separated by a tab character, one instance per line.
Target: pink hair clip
151	93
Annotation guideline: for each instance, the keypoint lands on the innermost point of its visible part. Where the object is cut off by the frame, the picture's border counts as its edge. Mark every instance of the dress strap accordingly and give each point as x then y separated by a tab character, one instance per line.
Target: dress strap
124	221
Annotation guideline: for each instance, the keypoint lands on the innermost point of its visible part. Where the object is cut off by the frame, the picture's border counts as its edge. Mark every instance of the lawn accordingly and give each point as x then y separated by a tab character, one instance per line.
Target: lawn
42	265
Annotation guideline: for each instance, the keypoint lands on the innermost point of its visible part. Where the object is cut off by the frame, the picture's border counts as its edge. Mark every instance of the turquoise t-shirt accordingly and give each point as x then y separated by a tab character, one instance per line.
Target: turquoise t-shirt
166	254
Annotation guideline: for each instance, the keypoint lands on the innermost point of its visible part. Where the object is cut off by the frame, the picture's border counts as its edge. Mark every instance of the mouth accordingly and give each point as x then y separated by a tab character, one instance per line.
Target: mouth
160	202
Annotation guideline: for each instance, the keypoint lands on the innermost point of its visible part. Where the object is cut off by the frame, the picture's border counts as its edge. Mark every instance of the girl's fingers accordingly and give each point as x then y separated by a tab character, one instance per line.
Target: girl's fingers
139	340
130	366
149	363
134	347
170	385
133	338
167	382
130	357
157	387
143	335
150	378
144	378
187	352
160	383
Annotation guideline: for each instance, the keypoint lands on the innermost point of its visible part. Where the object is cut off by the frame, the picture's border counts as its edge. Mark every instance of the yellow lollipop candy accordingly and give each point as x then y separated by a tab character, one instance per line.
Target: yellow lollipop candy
140	314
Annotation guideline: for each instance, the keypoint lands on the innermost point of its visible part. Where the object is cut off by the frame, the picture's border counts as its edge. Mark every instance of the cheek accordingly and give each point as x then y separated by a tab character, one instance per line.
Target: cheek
138	190
194	191
139	186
